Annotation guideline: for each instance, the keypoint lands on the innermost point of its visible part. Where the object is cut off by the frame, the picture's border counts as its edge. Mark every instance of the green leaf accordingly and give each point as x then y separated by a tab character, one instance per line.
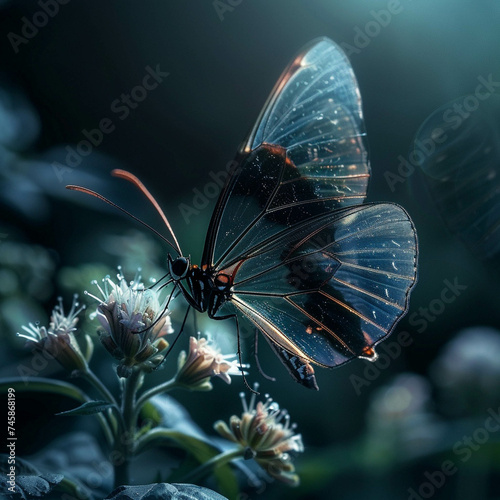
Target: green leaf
51	386
41	384
178	428
165	411
89	408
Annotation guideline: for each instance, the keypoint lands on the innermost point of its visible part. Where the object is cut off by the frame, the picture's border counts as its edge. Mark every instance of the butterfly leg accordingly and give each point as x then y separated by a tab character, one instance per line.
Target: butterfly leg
163	312
239	356
238	336
256	355
175	340
195	324
159	281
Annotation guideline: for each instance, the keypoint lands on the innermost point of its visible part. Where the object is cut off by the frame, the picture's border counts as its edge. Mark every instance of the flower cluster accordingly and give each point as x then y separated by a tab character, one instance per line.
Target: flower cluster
265	437
133	321
59	340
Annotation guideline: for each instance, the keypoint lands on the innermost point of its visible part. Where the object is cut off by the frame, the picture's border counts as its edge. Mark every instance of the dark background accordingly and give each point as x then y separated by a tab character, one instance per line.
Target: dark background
220	73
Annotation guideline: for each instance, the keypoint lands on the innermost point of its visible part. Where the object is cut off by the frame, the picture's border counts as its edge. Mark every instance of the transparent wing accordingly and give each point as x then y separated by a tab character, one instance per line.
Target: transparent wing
331	288
314	112
312	129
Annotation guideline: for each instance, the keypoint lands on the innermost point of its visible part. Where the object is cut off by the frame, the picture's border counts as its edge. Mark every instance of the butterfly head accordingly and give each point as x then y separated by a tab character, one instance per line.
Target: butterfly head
178	267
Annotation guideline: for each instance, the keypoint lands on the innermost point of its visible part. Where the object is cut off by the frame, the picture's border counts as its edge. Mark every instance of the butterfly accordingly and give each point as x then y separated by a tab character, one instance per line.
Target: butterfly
291	250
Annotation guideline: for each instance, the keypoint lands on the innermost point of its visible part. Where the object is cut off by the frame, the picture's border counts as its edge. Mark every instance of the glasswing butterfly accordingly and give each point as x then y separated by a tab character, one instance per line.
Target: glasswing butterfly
290	248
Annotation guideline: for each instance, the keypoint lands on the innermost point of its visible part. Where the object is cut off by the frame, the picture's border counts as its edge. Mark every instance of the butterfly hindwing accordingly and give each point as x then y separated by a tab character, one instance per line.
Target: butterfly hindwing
332	287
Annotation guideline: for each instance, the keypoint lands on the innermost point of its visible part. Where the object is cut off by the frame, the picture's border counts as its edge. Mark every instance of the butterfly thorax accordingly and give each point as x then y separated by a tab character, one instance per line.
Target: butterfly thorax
204	288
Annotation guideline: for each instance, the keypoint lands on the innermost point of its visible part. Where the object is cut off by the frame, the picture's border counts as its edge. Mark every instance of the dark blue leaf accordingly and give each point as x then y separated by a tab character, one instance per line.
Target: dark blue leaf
164	491
167	412
80	458
89	408
29	482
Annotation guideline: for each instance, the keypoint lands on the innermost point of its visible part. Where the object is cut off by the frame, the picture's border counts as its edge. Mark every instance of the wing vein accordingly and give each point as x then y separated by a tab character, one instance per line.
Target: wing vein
366	292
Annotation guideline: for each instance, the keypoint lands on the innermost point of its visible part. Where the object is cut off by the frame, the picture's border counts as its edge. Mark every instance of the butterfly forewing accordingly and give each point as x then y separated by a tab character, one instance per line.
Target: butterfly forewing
314	112
266	197
313	119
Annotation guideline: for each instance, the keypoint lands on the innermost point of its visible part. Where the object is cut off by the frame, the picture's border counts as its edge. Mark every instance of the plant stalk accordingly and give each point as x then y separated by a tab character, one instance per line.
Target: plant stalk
103	390
124	444
154	391
217	461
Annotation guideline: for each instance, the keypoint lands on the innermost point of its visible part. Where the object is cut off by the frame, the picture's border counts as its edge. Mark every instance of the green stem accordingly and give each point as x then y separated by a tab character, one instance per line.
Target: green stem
120	466
213	463
128	401
124	444
103	390
154	391
91	377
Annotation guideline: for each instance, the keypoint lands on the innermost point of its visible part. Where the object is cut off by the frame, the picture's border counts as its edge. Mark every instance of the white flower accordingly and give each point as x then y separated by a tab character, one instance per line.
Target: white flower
265	431
203	362
133	321
58	339
467	371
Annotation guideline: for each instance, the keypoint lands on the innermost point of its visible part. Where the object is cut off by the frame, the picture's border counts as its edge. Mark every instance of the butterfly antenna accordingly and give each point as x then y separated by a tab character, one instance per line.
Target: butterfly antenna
195	324
123	174
109	202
